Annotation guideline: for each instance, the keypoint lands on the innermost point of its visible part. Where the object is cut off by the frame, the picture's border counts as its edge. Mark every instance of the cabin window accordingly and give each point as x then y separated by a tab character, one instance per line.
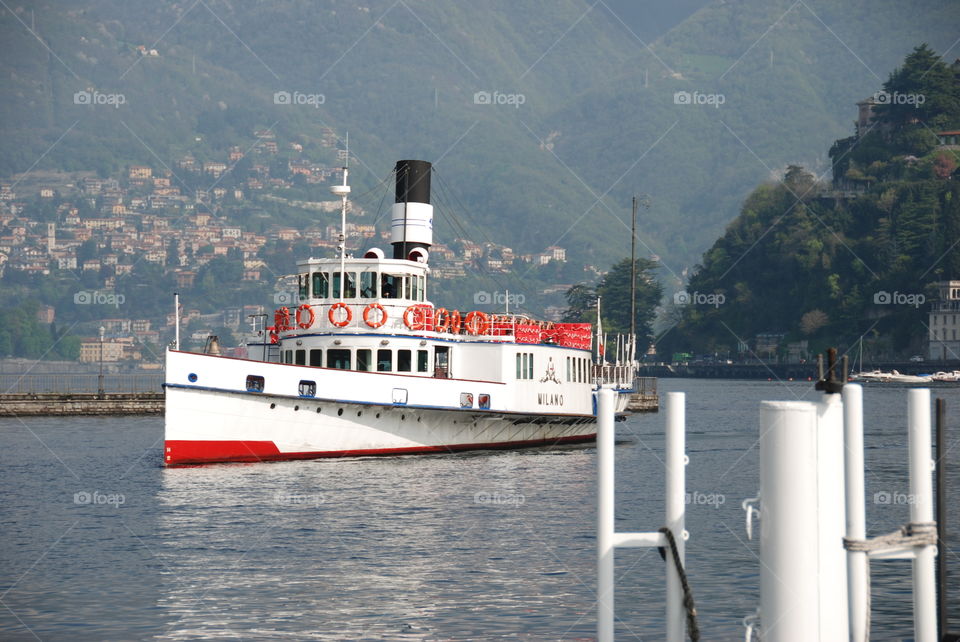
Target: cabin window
338	358
391	286
308	388
321	285
441	362
368	285
363	360
254	383
303	280
288	356
466	400
404	361
406	287
568	368
301	357
316	358
423	360
349	286
519	366
524	365
384	360
483	401
415	288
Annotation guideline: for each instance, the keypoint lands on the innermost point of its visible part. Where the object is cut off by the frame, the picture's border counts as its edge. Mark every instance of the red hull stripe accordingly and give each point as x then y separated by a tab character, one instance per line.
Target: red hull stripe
179	452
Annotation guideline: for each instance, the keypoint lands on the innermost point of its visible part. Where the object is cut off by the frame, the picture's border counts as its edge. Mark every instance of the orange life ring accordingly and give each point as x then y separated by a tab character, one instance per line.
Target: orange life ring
438	325
303	325
477	323
281	319
337	306
455	321
274	335
415	317
366	315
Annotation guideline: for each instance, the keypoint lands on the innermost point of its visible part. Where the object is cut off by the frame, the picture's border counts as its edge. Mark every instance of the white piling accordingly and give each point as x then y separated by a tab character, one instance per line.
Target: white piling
605	504
608	540
831	519
789	600
921	511
675	511
858	587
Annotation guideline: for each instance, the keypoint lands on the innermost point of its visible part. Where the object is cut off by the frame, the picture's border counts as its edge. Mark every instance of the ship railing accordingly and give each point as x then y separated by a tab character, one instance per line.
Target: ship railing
619	376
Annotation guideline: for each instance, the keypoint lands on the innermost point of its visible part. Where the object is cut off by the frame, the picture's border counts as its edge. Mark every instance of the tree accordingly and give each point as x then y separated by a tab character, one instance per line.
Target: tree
581	303
924	89
614	293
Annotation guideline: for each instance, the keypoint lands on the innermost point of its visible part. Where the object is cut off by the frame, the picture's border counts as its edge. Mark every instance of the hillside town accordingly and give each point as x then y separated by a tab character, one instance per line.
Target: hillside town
98	230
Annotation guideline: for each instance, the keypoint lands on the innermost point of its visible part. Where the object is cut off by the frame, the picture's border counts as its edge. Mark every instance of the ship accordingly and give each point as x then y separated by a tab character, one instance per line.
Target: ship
366	365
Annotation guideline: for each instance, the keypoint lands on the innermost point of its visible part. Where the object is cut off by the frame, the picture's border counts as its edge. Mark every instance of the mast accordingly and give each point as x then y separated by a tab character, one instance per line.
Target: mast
342	191
633	277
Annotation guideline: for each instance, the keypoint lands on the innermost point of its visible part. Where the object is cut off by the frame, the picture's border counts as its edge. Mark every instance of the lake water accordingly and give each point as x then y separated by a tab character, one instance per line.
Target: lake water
100	542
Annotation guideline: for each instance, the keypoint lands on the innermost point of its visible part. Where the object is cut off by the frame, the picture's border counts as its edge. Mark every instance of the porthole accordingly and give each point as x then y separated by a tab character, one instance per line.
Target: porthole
359	413
403	417
192	377
378	415
419	418
296	408
340	412
272	406
318	410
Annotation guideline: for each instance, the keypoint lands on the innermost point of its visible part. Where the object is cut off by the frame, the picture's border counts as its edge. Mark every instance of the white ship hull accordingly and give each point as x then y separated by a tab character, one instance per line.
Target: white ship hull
352	414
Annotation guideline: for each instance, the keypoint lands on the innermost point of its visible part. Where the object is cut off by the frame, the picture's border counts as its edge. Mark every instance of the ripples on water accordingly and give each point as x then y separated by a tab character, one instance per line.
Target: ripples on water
470	546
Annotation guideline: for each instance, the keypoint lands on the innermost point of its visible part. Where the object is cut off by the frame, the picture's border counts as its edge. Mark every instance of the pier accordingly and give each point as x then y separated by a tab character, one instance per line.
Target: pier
83	393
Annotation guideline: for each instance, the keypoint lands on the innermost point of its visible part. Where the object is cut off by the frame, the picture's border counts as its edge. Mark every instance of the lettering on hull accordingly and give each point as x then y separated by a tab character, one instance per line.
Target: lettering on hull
549	399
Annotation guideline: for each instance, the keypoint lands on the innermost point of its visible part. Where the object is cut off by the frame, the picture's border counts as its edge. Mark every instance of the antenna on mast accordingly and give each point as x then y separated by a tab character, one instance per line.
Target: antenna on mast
343	191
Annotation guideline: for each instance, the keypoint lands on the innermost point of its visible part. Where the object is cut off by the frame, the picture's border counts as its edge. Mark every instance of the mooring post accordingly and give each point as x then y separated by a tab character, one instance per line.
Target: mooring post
605	524
921	512
857	586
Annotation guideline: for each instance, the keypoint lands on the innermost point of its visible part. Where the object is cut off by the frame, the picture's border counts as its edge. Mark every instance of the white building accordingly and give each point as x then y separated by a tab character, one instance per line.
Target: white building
944	325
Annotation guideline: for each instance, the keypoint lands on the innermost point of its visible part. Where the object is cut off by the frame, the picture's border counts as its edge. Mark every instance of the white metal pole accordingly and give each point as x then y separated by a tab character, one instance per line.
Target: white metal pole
605	524
176	320
857	587
675	509
921	511
789	601
831	516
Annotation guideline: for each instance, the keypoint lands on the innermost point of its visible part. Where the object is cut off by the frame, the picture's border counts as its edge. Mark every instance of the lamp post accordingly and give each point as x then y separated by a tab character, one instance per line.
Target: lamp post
100	392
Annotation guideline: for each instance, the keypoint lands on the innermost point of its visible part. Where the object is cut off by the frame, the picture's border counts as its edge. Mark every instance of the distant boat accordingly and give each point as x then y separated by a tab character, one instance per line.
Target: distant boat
946	377
879	376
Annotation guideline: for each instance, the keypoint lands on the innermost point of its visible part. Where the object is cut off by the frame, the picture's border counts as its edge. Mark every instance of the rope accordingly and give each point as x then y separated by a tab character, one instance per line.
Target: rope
692	629
912	534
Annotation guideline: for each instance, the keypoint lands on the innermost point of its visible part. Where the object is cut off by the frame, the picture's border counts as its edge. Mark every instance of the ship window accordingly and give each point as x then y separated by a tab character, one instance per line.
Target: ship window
406	287
384	360
303	280
363	360
301	357
415	291
466	400
483	401
423	360
404	361
368	285
321	284
254	383
568	368
519	366
308	388
316	358
390	286
349	286
423	288
338	358
530	366
288	356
